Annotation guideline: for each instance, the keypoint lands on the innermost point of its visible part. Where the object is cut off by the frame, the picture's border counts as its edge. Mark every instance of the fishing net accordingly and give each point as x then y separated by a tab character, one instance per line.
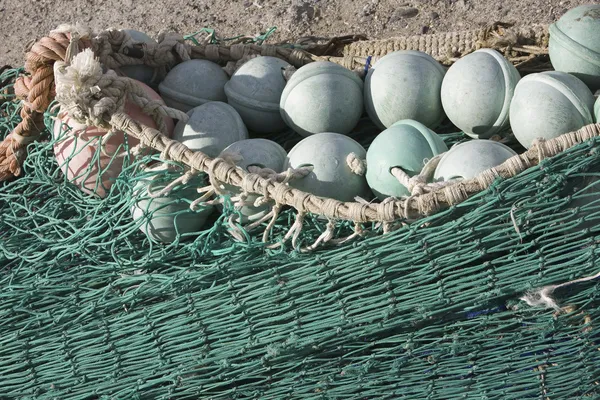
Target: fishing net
446	306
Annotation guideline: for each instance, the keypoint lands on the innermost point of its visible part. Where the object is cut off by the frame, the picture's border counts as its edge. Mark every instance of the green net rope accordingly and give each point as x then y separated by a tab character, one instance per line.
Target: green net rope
212	38
91	308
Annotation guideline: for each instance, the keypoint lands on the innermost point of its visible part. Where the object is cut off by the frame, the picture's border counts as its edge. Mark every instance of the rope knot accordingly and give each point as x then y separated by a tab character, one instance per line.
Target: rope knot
233	66
416	184
87	94
131	47
169	45
385	209
540	145
356	164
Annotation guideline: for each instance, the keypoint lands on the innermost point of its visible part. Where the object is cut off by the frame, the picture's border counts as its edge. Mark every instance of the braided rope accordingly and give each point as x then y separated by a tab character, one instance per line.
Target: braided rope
110	47
446	47
36	91
114	48
411	208
520	45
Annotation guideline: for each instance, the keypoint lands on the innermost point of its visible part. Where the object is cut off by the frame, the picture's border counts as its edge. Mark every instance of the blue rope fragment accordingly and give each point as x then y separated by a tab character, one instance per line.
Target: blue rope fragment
368	64
475	314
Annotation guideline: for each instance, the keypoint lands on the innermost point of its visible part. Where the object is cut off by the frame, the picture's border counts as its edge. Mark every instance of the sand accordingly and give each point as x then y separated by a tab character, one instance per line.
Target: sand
25	20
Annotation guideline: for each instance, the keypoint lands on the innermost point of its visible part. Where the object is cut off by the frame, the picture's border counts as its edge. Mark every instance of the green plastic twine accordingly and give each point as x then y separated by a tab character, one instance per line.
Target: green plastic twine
92	307
214	39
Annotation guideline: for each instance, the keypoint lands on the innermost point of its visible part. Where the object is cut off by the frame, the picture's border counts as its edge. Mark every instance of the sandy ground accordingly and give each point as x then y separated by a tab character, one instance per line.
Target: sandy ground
24	20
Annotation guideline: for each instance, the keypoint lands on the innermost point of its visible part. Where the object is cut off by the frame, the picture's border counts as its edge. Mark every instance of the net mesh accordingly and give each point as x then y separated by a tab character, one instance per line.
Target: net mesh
92	307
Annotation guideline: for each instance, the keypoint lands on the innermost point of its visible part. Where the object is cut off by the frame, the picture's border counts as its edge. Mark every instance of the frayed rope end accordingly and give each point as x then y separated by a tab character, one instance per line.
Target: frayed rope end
541	298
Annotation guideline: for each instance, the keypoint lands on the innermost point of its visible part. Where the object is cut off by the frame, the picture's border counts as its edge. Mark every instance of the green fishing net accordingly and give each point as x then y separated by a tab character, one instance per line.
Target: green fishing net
91	307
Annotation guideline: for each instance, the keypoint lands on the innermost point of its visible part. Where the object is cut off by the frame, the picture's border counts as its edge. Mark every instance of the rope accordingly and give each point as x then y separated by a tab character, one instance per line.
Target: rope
357	165
37	92
421	183
519	45
113	48
542	297
446	46
220	171
425	204
116	48
82	105
422	205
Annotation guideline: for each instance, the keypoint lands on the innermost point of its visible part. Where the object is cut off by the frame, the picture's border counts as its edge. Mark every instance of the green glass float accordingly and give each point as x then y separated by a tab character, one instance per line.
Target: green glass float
322	97
262	153
407	145
549	104
163	218
193	83
255	90
477	91
143	73
574	44
331	176
211	128
469	159
405	85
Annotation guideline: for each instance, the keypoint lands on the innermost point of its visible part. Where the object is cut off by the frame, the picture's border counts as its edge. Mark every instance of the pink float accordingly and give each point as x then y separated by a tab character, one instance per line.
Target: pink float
81	161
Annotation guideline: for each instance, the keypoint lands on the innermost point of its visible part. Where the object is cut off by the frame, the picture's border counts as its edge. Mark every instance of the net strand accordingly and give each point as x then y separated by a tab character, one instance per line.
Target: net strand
92	306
